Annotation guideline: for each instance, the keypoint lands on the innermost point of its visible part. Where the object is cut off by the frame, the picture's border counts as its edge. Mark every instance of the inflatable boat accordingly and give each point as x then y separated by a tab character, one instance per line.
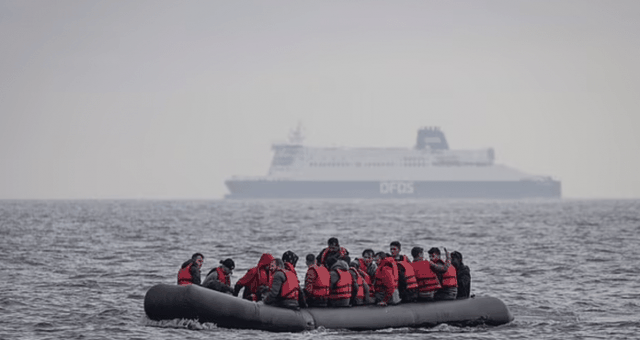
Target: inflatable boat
167	302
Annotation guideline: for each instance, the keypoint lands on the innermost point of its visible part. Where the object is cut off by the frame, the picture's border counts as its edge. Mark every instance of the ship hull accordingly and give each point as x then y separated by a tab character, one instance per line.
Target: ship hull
296	189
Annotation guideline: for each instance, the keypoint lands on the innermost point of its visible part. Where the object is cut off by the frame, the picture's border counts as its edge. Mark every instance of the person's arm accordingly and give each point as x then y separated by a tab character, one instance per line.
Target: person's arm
354	286
366	292
389	287
195	274
276	286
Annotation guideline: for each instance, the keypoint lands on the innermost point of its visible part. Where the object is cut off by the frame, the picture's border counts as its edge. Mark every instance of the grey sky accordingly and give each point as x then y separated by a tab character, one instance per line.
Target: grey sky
166	99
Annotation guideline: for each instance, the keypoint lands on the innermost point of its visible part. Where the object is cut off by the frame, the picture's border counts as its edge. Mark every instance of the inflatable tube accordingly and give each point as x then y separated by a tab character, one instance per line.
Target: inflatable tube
165	302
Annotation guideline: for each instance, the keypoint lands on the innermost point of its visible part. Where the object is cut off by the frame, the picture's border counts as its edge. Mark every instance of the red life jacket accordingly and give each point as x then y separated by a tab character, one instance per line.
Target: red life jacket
184	275
343	286
343	252
321	283
360	281
290	287
427	278
386	279
362	266
367	279
290	267
449	278
223	277
409	273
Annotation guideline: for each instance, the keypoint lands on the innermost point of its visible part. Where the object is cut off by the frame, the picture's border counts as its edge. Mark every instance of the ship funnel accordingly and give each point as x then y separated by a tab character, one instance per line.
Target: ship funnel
431	138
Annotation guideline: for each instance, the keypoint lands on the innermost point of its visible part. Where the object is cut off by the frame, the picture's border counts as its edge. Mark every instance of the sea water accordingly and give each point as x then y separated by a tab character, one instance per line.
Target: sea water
567	269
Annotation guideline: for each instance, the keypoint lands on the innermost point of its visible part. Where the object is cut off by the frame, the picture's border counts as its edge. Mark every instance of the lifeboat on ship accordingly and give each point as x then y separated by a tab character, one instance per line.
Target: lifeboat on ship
167	302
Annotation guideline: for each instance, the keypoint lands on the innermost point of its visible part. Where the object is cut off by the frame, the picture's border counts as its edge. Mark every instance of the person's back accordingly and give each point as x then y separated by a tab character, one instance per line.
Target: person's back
463	276
189	272
317	283
284	288
341	283
219	278
407	283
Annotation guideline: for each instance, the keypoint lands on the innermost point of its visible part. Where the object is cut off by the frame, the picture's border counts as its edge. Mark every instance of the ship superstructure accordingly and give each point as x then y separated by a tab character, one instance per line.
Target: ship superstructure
429	170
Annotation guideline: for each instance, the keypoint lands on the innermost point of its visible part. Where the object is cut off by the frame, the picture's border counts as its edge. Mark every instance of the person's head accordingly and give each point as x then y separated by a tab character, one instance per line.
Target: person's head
354	263
367	256
333	244
417	252
456	259
275	264
290	257
434	254
380	256
331	261
310	259
228	266
394	248
198	258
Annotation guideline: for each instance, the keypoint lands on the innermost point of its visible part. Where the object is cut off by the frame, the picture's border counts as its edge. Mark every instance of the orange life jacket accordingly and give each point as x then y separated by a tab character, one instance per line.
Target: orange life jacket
409	273
449	278
184	275
321	283
223	277
343	252
290	287
343	286
360	281
427	278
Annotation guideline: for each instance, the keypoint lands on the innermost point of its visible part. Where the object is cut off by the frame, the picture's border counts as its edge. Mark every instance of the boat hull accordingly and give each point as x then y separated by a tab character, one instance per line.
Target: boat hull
166	302
278	189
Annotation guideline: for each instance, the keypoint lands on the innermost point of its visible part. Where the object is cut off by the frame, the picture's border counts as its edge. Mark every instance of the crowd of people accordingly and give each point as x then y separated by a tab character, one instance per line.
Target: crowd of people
334	280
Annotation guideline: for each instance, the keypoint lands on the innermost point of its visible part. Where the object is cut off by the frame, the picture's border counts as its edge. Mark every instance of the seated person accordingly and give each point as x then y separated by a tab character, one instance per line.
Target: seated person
219	278
284	288
189	272
316	283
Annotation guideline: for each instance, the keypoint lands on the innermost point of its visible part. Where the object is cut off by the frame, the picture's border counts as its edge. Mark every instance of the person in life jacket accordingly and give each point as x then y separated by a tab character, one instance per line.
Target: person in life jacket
341	283
189	272
219	278
256	281
463	276
316	283
284	290
428	282
290	259
367	264
362	295
446	273
333	250
407	284
385	282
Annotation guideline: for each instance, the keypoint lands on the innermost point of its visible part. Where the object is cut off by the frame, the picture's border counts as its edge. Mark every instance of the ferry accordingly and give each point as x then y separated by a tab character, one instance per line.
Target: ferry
429	170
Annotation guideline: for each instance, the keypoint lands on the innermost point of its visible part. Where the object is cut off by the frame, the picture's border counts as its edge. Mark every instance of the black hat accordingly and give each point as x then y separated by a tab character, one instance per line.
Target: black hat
228	263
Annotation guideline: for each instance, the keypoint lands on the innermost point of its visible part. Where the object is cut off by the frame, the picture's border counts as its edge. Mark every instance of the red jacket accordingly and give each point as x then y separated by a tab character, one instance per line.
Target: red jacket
257	276
409	273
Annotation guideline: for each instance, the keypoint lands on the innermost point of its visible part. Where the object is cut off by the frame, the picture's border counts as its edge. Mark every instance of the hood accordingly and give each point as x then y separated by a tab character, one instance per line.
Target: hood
340	265
265	260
